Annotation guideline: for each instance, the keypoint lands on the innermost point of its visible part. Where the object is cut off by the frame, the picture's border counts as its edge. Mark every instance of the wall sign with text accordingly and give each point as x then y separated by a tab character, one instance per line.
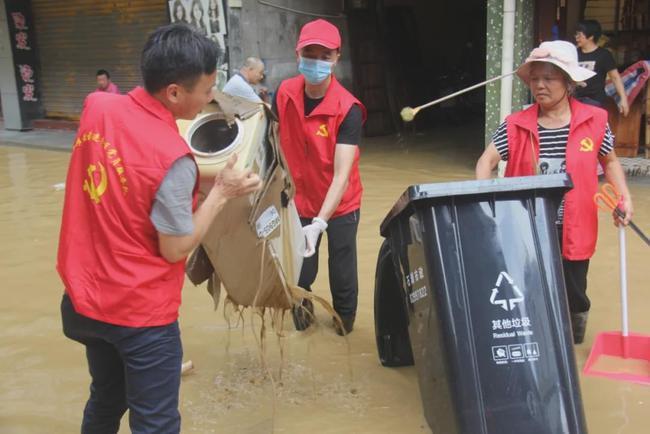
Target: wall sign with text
23	46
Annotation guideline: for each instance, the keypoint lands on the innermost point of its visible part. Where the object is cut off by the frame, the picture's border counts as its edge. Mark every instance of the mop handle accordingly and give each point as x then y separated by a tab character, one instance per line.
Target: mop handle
623	271
634	227
462	91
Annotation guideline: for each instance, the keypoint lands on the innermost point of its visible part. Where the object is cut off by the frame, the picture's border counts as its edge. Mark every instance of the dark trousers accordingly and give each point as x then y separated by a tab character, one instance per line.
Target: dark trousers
575	279
342	262
131	368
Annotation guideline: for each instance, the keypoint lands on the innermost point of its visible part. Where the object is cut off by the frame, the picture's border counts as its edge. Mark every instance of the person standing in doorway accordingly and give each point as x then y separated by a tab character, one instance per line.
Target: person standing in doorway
104	83
129	220
600	61
241	83
320	130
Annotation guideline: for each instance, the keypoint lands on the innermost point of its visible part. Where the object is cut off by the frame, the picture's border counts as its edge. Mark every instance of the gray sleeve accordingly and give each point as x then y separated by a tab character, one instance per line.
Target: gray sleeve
171	213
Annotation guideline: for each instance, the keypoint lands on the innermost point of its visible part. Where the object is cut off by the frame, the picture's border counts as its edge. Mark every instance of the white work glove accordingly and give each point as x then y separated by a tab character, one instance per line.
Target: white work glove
312	232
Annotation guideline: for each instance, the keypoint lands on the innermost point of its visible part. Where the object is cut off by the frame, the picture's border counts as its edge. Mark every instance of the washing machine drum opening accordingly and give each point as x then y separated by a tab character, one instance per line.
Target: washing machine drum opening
214	136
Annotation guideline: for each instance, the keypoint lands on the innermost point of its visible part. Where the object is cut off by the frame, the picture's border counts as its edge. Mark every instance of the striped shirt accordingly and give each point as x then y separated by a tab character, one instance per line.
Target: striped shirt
552	143
552	150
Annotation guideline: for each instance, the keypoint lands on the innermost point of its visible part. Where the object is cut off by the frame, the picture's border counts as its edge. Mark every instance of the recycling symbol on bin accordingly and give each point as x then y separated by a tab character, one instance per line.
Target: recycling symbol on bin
506	303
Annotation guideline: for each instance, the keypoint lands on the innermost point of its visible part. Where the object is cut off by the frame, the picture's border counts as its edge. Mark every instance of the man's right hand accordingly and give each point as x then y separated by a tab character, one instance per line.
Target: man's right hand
233	183
312	233
228	184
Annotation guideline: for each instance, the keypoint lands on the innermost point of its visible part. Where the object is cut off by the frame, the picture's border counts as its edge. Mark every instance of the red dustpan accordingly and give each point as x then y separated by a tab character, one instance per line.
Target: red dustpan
621	355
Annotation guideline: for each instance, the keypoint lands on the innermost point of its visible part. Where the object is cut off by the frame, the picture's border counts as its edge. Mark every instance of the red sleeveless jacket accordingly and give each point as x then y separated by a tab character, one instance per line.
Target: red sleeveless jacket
108	254
309	142
586	133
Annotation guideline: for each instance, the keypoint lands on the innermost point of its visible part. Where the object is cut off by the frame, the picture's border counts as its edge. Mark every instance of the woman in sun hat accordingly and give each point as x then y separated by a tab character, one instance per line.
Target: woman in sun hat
563	135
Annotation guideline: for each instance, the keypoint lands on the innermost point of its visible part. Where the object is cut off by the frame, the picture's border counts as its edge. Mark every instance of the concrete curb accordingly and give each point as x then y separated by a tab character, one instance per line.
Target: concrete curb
54	140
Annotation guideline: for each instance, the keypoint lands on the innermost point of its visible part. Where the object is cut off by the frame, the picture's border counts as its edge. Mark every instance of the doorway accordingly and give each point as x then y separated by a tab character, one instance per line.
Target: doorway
409	52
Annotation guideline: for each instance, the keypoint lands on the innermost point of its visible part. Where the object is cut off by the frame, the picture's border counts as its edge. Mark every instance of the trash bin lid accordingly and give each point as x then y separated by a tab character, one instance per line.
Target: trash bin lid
448	190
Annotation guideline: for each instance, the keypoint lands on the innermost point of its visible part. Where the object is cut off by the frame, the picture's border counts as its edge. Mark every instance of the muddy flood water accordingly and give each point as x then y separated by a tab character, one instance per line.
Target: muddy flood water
323	385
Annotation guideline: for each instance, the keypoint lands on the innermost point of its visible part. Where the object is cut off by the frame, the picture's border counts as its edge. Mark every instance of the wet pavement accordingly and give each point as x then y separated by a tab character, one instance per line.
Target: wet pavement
321	383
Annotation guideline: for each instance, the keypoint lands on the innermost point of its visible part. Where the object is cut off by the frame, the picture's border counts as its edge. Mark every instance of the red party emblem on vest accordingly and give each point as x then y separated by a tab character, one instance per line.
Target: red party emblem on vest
322	131
95	190
586	145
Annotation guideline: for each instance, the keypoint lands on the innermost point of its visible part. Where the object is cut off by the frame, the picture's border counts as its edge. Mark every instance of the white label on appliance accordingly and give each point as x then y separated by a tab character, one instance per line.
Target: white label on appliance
267	222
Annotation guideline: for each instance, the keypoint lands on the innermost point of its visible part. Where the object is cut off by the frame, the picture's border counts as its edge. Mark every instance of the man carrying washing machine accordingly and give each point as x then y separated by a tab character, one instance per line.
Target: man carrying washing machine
320	130
129	220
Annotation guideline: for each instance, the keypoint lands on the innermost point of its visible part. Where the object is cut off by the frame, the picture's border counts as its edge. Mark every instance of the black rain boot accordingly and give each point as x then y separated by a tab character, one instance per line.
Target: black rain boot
303	315
579	326
348	325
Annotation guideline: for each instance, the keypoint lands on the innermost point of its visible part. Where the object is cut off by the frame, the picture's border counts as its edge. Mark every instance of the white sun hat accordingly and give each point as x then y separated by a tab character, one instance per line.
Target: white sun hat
562	54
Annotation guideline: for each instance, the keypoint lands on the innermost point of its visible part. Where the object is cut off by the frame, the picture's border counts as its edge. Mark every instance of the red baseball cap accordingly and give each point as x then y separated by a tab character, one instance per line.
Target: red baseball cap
319	32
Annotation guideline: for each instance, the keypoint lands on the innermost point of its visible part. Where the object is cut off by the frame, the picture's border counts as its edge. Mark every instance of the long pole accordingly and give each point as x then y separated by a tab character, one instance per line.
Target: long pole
507	56
408	113
623	278
462	91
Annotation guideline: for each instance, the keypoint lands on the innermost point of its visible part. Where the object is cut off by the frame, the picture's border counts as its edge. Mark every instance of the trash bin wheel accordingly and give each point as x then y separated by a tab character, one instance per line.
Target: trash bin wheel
391	321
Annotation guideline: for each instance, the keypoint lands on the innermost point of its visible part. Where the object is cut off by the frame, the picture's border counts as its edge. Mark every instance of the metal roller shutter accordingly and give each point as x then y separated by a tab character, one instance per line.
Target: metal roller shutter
75	38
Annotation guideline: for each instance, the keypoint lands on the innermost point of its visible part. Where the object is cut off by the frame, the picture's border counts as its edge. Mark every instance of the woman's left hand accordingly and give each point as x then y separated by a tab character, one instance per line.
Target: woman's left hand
625	205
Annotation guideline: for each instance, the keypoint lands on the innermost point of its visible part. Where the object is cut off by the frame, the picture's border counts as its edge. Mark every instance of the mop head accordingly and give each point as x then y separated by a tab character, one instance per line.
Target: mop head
408	114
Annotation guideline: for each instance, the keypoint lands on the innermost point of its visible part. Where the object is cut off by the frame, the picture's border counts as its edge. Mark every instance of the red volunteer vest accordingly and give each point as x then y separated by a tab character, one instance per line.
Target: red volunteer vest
309	142
586	133
108	254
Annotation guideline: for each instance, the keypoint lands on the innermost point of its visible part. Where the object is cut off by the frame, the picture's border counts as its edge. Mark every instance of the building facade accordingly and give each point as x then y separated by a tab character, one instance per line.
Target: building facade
395	53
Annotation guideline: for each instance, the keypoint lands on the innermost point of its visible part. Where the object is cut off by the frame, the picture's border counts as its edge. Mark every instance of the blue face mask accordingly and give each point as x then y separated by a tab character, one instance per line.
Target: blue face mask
315	71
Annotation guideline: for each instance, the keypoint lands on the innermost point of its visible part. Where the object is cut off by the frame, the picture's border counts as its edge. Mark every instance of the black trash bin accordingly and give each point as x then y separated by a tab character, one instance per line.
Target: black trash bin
477	286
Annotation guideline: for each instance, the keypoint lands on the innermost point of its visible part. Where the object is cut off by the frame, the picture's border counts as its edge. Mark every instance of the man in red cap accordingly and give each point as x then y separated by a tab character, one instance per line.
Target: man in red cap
320	129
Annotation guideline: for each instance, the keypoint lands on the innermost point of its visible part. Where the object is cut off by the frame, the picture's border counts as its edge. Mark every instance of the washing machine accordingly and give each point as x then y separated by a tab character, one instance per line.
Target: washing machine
256	243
